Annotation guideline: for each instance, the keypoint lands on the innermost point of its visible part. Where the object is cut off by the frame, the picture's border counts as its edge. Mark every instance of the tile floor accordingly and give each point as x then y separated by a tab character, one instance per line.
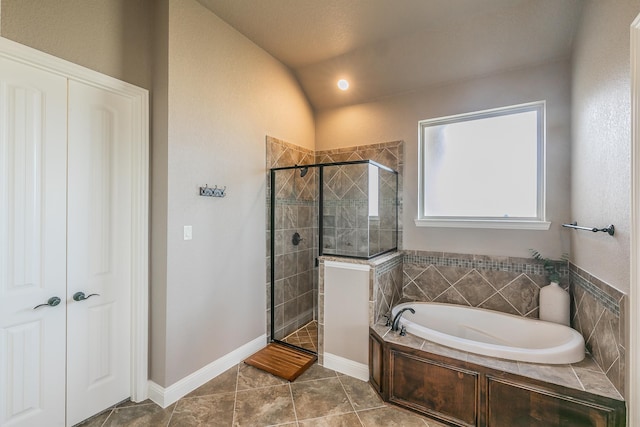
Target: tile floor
246	396
305	337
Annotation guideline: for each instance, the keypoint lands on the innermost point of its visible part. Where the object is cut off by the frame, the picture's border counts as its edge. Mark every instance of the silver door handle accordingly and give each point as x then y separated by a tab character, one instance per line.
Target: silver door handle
51	302
79	296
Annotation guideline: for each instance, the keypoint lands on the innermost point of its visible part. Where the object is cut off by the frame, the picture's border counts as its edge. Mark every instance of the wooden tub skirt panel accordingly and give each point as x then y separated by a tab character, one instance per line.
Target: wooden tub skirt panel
282	361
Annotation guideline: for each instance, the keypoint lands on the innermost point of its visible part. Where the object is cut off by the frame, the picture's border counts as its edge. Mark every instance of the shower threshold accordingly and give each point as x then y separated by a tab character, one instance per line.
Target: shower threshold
305	337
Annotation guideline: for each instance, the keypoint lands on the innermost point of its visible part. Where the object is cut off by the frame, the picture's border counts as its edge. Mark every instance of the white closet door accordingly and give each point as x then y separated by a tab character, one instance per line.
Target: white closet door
33	153
99	250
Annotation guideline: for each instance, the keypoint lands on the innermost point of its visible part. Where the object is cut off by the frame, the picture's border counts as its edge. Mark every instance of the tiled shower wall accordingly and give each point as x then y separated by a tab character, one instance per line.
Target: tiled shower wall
348	228
295	273
292	303
597	312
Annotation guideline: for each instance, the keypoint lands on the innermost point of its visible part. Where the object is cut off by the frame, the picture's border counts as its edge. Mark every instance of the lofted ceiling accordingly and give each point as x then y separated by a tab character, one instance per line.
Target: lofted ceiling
387	47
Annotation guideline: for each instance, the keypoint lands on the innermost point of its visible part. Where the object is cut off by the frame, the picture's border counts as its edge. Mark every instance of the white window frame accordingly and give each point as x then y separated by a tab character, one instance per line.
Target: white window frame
529	223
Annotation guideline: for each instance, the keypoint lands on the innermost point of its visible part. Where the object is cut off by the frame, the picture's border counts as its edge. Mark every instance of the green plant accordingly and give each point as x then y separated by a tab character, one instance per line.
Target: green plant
550	265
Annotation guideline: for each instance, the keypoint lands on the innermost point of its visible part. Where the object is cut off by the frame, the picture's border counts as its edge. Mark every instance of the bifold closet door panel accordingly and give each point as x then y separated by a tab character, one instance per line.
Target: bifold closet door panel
33	168
99	250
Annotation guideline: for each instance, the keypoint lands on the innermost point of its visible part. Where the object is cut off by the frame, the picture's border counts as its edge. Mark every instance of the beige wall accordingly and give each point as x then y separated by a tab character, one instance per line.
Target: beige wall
224	96
109	36
159	200
215	96
396	118
601	139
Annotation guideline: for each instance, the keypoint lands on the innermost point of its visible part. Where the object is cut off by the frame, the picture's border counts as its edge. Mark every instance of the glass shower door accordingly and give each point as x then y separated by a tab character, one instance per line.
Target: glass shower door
294	250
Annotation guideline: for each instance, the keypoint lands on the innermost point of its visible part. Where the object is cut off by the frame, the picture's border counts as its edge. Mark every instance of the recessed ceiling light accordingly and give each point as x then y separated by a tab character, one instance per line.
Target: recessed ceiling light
343	84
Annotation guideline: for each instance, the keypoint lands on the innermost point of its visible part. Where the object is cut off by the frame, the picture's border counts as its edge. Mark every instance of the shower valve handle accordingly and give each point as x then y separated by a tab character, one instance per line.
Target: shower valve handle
296	239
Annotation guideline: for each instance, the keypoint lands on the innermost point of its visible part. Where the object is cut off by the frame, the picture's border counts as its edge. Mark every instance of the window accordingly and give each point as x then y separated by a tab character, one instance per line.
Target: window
483	169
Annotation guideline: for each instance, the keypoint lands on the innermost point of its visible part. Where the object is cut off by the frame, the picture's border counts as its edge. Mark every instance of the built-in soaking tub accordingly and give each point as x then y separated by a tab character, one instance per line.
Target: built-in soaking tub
492	333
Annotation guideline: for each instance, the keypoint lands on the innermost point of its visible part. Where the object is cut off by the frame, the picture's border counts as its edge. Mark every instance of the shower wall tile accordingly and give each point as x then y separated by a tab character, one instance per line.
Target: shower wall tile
347	189
294	267
597	312
297	212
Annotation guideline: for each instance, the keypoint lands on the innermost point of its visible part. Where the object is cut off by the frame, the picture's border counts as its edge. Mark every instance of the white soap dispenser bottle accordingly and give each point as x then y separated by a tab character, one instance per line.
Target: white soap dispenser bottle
554	304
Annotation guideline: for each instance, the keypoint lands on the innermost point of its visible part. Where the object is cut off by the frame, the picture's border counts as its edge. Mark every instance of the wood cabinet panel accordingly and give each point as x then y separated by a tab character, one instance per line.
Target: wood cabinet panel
447	392
466	394
514	404
376	363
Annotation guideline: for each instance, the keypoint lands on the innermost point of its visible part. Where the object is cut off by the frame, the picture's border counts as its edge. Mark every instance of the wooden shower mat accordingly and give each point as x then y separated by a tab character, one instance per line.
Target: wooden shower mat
281	361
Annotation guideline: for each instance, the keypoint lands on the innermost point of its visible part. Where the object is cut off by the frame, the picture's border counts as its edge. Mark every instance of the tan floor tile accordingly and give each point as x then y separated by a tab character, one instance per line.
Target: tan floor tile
250	378
315	372
320	398
215	410
343	420
223	383
264	406
95	421
360	393
390	417
140	416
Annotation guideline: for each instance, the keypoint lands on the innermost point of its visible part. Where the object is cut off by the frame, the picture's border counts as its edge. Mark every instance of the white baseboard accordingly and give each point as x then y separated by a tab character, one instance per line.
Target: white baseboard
346	366
166	396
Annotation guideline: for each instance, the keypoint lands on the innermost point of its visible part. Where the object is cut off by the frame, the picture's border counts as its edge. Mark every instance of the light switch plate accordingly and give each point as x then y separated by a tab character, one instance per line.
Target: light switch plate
188	232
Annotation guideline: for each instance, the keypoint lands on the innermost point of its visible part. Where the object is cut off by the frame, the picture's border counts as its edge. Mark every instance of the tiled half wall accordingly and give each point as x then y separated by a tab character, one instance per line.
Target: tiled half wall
506	284
597	312
512	285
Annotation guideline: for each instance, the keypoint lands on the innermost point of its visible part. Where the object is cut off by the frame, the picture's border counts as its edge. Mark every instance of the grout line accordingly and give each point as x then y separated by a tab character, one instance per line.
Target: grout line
175	406
576	374
488	298
107	419
349	399
235	396
293	403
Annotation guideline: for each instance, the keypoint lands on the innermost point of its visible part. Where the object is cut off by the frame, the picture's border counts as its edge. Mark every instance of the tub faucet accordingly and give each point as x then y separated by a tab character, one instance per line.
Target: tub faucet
396	320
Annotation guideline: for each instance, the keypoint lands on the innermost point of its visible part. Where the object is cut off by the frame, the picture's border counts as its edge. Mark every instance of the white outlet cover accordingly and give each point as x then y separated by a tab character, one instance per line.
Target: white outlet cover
188	232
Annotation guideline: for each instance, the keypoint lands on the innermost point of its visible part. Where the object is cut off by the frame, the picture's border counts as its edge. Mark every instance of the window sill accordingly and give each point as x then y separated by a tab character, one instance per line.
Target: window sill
483	223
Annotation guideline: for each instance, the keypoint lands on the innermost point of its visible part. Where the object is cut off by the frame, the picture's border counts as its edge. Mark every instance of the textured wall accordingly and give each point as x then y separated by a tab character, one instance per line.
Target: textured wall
113	37
396	118
600	193
224	95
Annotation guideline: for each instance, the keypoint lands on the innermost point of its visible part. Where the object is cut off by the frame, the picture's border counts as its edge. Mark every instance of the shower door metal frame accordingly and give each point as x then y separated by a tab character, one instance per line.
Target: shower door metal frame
320	222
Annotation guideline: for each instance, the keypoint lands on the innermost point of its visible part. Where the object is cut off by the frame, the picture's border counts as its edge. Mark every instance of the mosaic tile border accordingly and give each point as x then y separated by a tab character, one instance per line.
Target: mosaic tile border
388	266
602	297
511	265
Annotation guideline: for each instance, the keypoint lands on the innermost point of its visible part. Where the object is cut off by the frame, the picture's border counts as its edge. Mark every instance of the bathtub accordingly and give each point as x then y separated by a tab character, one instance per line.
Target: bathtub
492	333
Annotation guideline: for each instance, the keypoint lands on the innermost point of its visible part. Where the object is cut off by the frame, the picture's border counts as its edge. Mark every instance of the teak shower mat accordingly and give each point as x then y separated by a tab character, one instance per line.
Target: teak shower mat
281	360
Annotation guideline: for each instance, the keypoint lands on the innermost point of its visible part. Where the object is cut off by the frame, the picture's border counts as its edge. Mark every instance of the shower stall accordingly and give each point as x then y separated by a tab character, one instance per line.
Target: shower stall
345	209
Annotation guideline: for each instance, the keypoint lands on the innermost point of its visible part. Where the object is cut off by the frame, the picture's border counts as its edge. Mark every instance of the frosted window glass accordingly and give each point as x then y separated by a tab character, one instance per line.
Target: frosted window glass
487	165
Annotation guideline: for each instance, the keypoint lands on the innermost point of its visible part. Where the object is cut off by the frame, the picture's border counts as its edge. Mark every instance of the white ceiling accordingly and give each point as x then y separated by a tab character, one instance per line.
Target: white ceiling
387	47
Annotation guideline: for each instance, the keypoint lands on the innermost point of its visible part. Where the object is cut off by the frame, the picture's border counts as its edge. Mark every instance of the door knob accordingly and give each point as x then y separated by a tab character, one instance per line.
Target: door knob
80	296
51	302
